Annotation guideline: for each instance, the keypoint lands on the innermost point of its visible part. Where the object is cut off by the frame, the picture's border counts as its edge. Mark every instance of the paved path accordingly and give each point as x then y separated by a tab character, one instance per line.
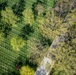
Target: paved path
45	67
48	61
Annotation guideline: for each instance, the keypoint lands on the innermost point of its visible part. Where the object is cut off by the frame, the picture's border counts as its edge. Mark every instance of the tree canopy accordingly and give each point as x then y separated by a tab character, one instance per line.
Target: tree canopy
27	30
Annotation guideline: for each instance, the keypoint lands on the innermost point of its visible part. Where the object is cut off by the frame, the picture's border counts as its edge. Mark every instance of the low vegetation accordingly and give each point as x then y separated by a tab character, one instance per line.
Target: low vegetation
27	30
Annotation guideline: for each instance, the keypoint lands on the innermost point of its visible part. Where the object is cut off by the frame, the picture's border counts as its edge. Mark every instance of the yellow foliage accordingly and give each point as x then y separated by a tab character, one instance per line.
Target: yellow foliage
8	16
50	25
72	17
65	59
17	43
44	30
66	53
74	41
28	16
40	19
26	70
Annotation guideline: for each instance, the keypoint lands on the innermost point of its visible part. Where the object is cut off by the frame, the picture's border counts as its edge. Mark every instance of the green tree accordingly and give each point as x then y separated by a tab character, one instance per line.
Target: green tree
8	16
28	16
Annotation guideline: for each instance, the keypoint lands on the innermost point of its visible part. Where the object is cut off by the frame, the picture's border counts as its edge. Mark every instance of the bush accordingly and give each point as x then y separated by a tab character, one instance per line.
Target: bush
26	70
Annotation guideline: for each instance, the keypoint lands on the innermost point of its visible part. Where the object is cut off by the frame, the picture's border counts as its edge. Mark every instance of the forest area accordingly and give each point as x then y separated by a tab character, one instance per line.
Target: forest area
28	29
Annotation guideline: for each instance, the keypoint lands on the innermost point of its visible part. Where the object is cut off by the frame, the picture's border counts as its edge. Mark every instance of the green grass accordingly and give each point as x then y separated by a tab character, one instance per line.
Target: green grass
8	56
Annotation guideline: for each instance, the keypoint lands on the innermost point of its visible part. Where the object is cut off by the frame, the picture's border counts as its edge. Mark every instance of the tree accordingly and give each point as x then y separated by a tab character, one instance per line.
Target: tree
49	25
17	43
65	52
26	70
28	16
8	16
54	23
61	10
40	7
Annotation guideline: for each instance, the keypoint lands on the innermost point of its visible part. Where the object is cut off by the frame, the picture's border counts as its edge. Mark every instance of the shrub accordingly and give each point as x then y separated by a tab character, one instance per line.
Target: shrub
26	70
